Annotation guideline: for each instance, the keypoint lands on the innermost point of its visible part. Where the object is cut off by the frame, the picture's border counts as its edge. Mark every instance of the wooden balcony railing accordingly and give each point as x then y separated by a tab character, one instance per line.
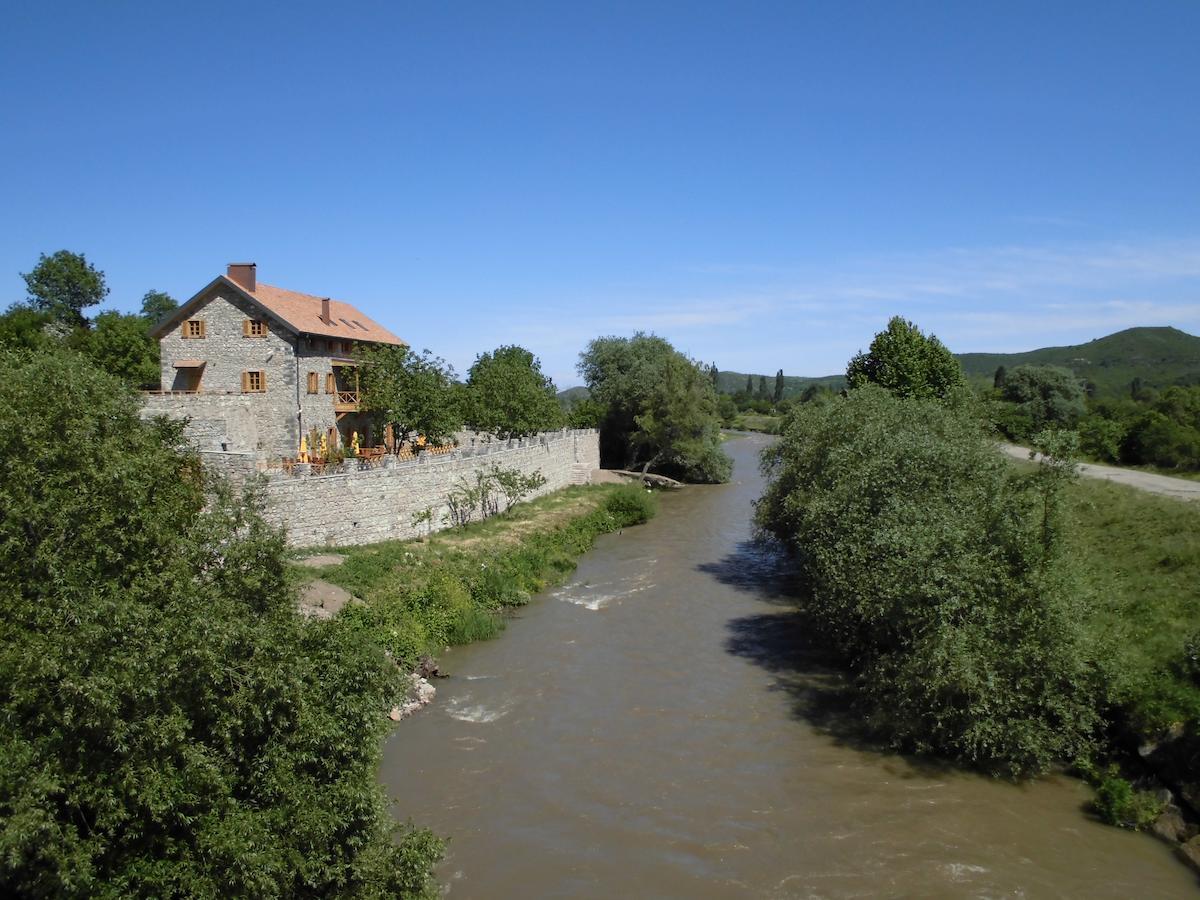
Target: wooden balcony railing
346	401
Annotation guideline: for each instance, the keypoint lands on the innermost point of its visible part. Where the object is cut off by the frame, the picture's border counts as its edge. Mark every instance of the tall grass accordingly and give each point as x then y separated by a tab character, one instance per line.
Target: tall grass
1141	563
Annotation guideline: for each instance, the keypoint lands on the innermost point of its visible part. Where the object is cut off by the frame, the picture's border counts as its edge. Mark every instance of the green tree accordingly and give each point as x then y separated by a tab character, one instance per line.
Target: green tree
23	327
715	374
750	385
157	305
726	410
507	394
941	573
678	429
659	409
171	727
778	396
907	363
414	392
64	285
121	345
1047	396
999	378
762	388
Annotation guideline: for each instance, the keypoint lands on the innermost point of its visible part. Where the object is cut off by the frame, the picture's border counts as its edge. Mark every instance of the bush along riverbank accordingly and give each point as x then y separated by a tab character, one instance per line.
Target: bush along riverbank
454	587
1005	616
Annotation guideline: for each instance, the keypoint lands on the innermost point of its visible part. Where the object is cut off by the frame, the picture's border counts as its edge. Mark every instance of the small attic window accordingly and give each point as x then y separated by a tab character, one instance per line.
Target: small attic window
193	328
360	325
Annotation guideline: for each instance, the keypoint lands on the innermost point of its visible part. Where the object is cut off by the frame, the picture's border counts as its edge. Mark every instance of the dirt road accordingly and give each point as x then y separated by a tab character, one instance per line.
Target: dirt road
1180	488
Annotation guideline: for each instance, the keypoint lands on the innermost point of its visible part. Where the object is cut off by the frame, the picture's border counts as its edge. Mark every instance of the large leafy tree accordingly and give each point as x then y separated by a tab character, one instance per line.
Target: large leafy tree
907	363
941	572
1046	396
157	305
171	727
507	394
415	392
64	284
660	408
121	345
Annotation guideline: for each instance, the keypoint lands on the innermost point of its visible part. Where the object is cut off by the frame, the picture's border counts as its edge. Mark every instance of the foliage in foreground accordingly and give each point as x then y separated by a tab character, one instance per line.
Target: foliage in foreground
170	726
659	409
451	589
938	571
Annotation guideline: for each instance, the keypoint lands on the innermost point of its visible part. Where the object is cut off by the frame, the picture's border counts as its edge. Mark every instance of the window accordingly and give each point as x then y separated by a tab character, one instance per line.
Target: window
254	382
313	382
254	328
193	328
347	347
330	383
331	346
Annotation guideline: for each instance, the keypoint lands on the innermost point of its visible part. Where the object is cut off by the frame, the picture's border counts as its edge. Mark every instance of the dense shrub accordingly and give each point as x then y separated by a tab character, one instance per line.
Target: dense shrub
631	504
936	568
1119	803
170	726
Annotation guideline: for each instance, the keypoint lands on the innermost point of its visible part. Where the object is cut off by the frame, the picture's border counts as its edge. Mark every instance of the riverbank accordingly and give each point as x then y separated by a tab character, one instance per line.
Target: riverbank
1140	557
417	598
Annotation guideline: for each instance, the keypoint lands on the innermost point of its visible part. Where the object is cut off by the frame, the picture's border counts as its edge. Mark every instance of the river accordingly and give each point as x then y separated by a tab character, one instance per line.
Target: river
657	727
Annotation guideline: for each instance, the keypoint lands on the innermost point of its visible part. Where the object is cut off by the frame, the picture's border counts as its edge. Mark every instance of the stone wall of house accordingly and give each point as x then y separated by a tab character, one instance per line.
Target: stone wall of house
227	352
216	422
317	355
363	507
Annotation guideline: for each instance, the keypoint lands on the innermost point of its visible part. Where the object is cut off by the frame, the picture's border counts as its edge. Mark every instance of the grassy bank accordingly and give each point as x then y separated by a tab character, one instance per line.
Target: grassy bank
754	422
1141	561
453	587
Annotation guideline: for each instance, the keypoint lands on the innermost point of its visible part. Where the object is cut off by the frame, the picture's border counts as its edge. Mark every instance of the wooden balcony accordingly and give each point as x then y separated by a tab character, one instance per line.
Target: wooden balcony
346	402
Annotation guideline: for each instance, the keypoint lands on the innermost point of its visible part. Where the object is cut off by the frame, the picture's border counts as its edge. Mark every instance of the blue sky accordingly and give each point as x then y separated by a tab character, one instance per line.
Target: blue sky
762	183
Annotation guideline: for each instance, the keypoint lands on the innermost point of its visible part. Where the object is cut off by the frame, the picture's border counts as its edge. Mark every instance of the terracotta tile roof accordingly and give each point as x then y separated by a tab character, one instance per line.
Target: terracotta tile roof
303	313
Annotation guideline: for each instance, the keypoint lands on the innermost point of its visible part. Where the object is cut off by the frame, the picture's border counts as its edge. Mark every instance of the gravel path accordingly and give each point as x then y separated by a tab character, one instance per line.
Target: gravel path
1179	488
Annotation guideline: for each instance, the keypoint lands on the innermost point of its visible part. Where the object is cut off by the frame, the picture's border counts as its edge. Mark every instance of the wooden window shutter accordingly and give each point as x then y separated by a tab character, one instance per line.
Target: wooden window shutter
262	381
312	382
329	383
245	328
245	382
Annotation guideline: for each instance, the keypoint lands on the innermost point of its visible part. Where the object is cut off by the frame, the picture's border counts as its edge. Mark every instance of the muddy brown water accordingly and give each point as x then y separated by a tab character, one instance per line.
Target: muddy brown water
658	727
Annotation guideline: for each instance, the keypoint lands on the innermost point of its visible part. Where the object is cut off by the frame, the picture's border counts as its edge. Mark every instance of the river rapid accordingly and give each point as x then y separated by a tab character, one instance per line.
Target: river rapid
658	727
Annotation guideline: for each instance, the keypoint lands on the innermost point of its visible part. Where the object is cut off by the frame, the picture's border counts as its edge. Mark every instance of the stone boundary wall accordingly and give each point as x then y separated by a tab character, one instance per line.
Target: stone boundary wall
363	507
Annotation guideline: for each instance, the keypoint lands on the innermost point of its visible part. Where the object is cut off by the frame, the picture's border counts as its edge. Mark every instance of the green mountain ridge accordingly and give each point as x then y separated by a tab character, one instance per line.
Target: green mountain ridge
1159	356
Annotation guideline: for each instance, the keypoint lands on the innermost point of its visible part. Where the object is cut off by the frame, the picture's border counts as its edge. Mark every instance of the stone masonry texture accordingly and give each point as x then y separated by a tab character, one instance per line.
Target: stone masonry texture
363	507
222	416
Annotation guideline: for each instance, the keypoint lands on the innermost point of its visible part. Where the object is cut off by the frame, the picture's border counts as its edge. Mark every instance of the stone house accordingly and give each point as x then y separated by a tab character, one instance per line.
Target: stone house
253	367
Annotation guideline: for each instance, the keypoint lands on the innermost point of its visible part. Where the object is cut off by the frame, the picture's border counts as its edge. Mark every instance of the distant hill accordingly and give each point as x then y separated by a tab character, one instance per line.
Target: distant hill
571	396
1158	356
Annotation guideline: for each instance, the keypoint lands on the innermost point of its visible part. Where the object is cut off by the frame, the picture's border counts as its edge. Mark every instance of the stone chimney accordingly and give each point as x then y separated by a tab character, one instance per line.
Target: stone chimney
244	275
326	317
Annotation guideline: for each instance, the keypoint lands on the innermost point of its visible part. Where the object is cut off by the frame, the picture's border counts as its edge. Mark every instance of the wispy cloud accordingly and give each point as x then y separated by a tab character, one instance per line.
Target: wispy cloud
810	317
